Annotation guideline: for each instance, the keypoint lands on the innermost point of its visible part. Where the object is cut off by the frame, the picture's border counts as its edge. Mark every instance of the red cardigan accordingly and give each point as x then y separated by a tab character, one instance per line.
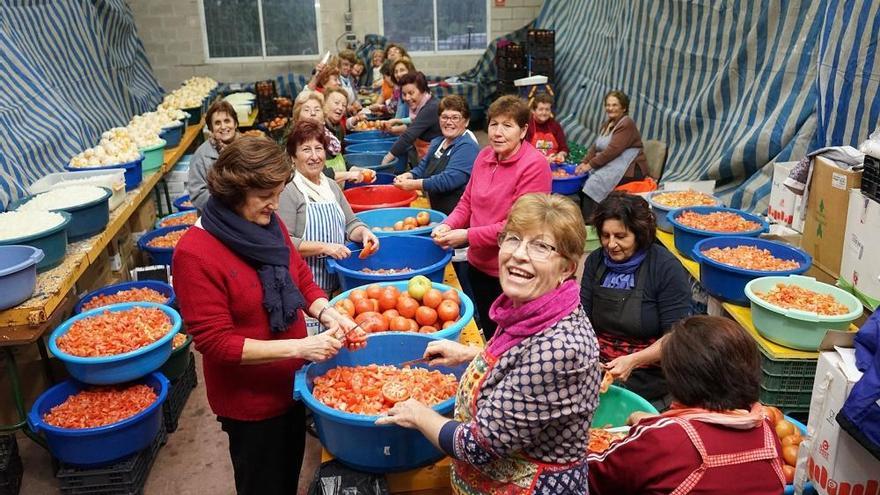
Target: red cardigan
658	455
220	299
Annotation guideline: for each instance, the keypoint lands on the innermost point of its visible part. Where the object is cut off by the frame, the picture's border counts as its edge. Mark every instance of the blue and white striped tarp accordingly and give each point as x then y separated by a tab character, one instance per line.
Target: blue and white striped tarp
69	70
730	86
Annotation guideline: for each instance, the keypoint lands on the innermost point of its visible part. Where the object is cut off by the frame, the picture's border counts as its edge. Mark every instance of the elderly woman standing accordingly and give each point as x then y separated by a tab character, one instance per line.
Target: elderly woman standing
315	207
223	123
616	157
244	291
444	171
633	290
525	403
503	171
714	437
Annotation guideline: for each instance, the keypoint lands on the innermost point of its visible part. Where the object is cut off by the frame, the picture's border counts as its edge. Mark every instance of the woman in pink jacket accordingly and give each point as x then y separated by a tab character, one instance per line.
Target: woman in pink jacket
503	171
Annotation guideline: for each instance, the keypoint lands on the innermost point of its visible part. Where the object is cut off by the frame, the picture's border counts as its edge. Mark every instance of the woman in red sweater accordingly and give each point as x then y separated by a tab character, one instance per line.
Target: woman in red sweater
545	134
503	171
715	438
243	292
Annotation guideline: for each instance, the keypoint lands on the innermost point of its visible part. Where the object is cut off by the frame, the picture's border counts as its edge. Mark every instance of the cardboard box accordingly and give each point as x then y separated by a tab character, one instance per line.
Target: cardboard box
783	201
836	463
826	213
860	267
144	218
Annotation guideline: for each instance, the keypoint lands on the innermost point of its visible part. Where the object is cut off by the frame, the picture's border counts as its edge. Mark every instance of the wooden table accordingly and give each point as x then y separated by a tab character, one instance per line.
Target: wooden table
54	295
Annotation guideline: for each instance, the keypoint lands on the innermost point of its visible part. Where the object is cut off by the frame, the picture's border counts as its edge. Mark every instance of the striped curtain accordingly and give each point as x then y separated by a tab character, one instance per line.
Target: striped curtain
69	70
730	85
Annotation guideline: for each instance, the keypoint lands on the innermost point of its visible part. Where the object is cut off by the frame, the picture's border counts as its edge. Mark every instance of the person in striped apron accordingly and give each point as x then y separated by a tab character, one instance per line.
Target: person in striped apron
318	216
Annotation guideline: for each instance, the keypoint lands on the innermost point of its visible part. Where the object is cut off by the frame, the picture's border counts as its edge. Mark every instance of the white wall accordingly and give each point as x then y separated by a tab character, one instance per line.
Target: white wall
171	31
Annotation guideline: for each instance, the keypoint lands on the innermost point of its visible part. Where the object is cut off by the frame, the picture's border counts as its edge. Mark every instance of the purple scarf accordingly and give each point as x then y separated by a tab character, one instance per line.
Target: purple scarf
622	275
533	317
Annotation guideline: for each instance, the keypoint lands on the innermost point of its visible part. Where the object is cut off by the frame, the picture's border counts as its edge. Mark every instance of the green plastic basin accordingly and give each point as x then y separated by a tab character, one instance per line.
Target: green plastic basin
154	156
616	405
794	328
178	361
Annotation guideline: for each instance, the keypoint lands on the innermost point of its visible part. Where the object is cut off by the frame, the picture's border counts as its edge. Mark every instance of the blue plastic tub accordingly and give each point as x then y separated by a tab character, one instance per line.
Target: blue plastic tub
374	161
94	447
660	211
355	439
367	136
370	147
568	185
121	368
195	115
416	252
452	333
172	134
171	216
686	237
134	174
727	282
52	242
160	256
18	274
156	285
386	217
179	203
86	219
381	178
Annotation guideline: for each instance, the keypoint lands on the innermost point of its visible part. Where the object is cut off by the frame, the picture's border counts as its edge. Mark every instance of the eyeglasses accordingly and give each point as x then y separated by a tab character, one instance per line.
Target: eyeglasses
537	250
451	118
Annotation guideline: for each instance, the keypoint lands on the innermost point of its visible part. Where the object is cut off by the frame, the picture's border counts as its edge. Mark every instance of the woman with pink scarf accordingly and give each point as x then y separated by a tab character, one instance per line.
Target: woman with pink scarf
525	402
714	437
423	123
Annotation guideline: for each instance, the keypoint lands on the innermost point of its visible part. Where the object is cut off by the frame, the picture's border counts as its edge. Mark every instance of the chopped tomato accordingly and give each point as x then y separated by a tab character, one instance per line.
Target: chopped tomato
718	221
138	294
370	389
100	406
796	297
117	332
750	258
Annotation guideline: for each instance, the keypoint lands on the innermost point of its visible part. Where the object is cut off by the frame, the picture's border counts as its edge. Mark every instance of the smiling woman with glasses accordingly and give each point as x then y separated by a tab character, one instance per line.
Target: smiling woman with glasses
526	401
444	171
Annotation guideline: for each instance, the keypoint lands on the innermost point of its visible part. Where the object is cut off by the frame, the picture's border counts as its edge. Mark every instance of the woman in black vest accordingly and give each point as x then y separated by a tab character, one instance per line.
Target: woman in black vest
446	168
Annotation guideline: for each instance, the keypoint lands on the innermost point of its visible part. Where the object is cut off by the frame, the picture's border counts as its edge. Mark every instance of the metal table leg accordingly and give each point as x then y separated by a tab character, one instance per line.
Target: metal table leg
19	401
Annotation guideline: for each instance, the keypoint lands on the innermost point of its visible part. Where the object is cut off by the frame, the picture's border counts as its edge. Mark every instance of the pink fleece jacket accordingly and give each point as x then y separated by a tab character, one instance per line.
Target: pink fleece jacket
493	188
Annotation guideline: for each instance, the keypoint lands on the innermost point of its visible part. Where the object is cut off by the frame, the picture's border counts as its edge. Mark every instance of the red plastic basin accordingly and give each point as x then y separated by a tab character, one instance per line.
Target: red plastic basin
375	197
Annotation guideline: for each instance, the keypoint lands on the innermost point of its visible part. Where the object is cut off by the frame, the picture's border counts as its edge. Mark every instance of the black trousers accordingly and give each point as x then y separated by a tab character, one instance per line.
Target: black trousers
486	289
267	455
587	207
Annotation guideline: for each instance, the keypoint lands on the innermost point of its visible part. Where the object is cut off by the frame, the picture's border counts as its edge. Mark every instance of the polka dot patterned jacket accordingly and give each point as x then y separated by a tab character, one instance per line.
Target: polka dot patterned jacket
523	427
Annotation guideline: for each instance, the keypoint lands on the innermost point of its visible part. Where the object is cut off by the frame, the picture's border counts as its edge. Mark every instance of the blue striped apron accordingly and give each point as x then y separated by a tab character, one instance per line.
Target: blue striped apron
324	223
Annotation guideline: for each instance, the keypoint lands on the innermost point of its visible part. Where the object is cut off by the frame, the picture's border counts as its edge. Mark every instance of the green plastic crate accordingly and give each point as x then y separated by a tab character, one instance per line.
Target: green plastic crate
787	367
786	400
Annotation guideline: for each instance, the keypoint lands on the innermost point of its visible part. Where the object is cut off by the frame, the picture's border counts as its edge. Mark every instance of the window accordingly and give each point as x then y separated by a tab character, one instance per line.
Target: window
436	25
260	29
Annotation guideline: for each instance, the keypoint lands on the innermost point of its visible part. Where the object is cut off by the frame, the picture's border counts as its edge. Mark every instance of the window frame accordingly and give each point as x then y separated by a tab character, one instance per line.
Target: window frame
436	52
208	59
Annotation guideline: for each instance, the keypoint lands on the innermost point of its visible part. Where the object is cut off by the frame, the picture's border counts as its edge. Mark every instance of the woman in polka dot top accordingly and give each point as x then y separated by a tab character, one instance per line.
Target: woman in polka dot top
525	403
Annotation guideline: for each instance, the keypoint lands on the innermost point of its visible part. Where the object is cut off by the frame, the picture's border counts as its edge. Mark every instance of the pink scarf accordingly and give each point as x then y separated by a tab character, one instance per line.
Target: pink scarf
414	112
531	318
739	419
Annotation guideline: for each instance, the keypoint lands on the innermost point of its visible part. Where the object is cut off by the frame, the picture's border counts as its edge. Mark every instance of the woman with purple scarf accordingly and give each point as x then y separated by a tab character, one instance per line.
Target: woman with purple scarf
526	401
633	291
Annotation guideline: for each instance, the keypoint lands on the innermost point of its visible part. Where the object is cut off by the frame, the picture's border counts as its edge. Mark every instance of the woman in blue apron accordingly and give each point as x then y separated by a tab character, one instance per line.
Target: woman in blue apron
315	211
616	156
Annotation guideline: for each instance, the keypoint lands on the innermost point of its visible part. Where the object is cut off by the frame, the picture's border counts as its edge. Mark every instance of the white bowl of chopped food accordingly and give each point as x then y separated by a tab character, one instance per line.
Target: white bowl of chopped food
796	311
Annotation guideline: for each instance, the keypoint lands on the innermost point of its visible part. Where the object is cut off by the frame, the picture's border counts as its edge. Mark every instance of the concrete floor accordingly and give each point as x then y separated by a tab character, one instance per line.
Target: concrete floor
195	460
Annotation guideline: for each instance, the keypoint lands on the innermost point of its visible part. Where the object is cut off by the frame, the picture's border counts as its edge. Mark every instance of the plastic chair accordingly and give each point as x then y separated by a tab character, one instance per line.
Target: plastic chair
655	152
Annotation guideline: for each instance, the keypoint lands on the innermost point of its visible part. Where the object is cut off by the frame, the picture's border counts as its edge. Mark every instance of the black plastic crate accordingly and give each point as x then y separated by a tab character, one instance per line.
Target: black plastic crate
541	43
178	394
542	66
11	468
511	50
126	477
